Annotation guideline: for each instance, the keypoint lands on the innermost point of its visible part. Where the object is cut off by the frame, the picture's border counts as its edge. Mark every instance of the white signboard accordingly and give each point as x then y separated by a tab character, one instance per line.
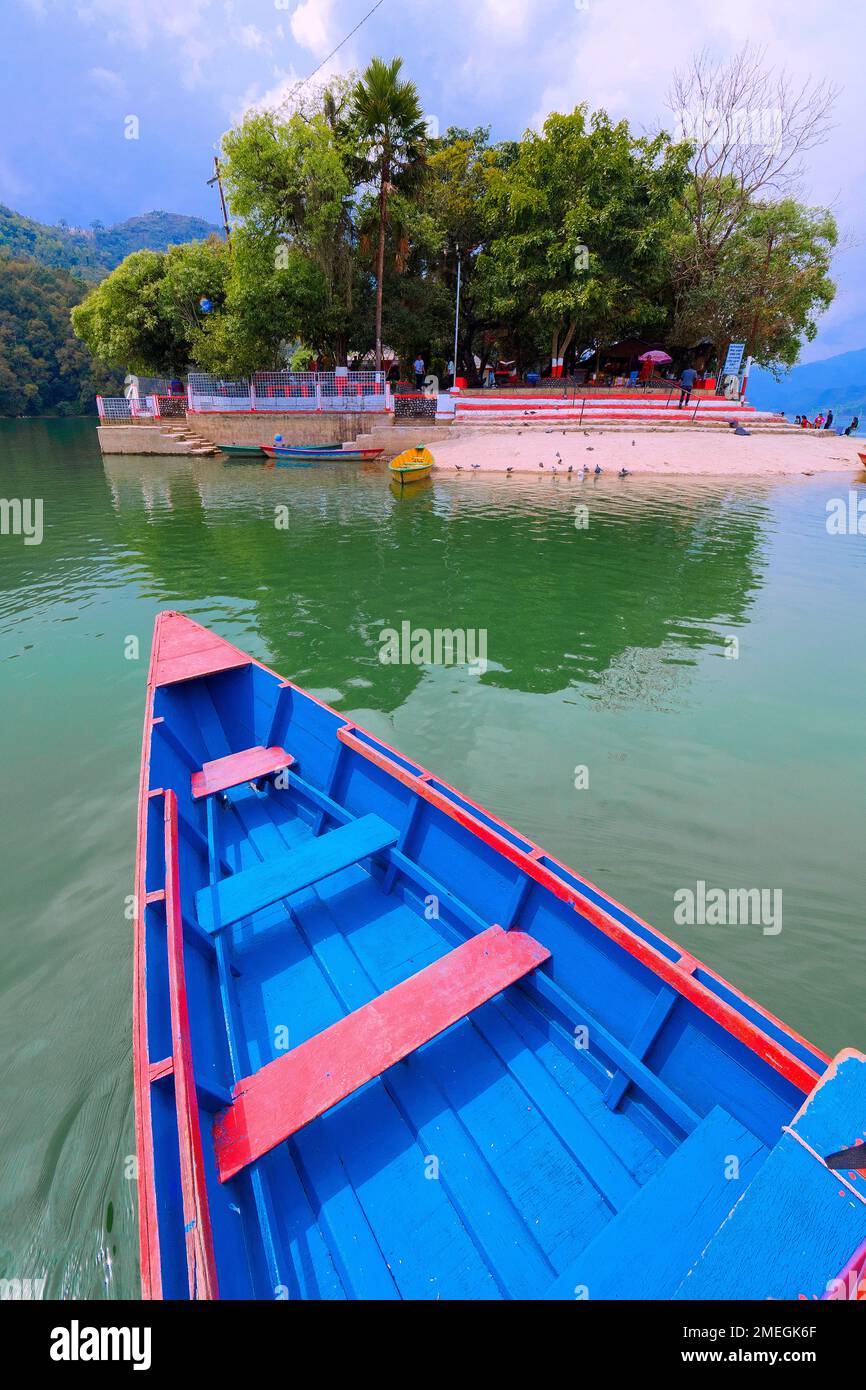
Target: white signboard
734	359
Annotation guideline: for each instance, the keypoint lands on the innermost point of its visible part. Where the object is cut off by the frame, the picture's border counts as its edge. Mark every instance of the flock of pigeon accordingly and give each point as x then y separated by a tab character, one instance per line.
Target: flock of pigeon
556	466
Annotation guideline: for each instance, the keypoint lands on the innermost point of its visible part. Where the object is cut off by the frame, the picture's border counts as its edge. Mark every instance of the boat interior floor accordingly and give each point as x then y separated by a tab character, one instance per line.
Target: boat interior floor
485	1161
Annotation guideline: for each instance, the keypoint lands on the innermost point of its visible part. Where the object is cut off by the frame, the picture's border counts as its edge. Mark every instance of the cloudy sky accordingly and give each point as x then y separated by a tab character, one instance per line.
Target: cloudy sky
73	71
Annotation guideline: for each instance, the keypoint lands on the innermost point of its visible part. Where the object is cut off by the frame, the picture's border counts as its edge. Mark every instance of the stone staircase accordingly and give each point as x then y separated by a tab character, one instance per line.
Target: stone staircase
195	444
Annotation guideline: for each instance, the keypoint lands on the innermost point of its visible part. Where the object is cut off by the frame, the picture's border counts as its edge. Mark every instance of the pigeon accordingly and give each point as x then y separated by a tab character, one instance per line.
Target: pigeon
632	443
598	468
590	448
476	465
459	467
571	468
541	465
623	472
509	470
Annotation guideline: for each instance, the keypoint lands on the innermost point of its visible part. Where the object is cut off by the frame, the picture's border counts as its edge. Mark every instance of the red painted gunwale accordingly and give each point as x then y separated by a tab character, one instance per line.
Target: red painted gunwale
678	974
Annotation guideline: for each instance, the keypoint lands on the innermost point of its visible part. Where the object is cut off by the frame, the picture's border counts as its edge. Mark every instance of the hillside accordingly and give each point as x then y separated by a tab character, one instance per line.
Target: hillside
90	253
44	369
835	382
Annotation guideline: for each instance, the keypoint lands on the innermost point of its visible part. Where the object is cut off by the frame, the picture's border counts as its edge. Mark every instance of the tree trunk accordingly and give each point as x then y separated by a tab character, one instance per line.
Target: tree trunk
380	261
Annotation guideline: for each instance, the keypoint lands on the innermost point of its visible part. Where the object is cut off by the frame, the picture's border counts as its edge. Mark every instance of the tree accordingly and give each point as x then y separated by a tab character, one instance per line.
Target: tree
768	285
43	368
295	268
579	230
749	127
146	315
387	113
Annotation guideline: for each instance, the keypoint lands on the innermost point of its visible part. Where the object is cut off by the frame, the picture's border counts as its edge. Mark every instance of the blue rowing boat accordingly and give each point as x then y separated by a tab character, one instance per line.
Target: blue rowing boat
386	1047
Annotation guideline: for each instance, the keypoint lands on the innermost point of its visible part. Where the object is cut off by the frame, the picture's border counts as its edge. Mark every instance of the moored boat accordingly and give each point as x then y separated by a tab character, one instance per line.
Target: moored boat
241	450
412	465
350	979
320	454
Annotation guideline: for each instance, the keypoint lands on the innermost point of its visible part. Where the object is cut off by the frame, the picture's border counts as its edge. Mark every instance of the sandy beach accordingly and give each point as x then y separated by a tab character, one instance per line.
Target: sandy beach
674	452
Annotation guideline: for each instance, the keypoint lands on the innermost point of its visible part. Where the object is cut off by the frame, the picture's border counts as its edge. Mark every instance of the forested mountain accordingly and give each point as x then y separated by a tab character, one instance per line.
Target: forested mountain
44	369
90	252
44	271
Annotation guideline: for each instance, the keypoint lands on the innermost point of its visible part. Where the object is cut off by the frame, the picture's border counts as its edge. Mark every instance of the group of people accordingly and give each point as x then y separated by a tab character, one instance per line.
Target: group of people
825	422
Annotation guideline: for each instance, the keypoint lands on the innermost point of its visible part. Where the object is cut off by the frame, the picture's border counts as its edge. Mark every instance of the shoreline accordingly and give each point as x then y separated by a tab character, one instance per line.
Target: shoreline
675	454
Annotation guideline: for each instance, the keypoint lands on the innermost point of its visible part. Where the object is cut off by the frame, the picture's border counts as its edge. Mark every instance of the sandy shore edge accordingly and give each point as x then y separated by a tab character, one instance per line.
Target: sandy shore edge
677	453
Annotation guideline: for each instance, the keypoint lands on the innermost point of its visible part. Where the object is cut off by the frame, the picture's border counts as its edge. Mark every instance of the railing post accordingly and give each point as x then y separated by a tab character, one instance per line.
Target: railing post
189	405
318	396
100	408
252	396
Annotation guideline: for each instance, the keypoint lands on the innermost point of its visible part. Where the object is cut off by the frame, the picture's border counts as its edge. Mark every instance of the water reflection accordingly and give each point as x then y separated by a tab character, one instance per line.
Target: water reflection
643	587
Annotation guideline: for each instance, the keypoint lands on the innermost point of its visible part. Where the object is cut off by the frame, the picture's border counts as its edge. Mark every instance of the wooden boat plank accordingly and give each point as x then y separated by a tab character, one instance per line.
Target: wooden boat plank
234	768
245	893
352	1244
182	651
285	1095
642	1253
384	1167
473	1186
798	1222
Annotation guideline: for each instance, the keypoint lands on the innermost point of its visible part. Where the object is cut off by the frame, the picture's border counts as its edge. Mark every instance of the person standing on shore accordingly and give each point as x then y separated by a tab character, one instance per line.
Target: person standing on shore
854	425
687	382
418	367
829	421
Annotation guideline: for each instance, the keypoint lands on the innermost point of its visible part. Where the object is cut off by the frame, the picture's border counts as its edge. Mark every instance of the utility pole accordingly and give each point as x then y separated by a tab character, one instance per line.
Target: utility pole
457	314
218	180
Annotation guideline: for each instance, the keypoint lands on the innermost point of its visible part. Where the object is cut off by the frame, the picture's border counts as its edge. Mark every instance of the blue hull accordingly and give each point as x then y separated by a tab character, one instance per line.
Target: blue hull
386	1048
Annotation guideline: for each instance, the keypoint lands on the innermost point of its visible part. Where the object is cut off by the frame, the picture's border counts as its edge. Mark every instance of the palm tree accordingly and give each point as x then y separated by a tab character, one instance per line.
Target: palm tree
387	114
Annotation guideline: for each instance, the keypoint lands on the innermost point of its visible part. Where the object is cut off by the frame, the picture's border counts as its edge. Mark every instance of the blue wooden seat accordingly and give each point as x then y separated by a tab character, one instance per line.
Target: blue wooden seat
221	904
647	1248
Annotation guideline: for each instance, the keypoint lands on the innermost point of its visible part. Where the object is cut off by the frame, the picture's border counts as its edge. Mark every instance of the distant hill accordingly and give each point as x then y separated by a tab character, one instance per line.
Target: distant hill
90	253
44	270
837	383
44	369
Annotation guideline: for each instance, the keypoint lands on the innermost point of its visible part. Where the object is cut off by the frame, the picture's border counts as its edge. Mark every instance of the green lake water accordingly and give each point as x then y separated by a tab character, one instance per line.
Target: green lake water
608	649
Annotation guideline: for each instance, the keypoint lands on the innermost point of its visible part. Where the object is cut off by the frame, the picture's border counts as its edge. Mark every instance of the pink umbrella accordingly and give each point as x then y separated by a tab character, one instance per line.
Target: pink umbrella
655	355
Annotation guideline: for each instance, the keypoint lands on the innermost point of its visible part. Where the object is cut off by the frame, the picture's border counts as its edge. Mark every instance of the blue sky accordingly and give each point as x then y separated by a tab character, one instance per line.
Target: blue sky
74	70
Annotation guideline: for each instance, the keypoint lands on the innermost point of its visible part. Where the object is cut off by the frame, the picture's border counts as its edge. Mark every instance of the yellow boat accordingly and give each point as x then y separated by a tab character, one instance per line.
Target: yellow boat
412	465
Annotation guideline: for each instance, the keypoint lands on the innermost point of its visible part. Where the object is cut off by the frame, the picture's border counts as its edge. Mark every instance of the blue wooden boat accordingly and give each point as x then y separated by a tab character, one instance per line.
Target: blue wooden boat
386	1047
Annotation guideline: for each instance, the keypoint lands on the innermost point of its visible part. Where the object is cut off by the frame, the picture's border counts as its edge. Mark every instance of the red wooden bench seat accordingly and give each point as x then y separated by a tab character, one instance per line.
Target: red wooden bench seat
231	771
283	1096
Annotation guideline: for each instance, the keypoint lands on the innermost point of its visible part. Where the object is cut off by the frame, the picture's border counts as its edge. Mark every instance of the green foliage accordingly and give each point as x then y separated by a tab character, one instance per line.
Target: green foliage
767	285
579	228
391	133
146	316
350	224
43	368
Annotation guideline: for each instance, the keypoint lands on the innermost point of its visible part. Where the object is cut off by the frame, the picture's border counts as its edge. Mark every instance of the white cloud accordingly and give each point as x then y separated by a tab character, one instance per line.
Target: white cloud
312	25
